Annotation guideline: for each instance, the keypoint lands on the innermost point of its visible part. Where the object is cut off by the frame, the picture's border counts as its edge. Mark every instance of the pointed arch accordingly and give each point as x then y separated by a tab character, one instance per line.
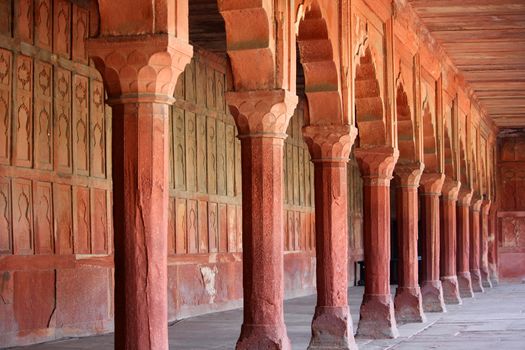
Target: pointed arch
405	127
430	140
316	52
368	102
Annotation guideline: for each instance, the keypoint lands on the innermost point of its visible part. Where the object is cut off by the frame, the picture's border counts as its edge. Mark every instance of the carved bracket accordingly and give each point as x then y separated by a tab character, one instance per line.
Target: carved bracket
377	164
330	142
450	189
408	175
432	183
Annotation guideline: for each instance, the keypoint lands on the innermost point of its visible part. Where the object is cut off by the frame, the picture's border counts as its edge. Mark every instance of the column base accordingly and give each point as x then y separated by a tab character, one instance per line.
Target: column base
408	305
493	272
475	276
485	279
433	296
451	290
332	329
262	337
465	285
377	318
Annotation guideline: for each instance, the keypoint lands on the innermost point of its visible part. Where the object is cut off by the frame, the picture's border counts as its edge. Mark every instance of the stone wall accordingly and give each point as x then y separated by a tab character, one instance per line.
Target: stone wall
511	213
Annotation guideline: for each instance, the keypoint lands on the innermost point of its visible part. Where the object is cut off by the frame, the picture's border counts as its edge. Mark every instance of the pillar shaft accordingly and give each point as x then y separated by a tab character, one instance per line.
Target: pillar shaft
377	310
262	118
330	149
140	164
493	246
463	244
449	280
408	301
484	245
474	257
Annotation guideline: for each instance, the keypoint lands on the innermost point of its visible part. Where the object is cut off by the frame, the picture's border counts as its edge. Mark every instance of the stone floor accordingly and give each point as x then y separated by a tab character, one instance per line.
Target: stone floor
493	320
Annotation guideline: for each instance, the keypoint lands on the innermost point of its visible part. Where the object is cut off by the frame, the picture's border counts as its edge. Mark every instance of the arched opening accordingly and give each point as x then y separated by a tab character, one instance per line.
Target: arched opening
405	128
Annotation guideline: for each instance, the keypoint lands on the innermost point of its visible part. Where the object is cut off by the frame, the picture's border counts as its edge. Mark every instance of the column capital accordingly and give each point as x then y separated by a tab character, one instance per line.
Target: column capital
475	204
330	143
450	189
377	164
485	206
431	183
262	113
140	68
464	196
408	175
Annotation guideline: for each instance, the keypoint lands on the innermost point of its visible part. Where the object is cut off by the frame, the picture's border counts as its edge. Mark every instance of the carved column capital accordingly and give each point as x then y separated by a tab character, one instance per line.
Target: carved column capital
408	175
377	164
140	68
485	207
464	197
450	189
475	204
432	183
331	143
262	113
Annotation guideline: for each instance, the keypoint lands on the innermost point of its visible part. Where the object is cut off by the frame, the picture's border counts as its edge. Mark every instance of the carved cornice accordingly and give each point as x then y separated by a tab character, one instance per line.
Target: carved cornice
330	142
140	68
377	164
432	183
408	175
262	113
450	189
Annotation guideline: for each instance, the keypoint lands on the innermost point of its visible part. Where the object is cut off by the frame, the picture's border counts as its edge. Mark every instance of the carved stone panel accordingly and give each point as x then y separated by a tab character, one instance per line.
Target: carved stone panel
210	87
171	226
181	226
23	113
191	152
201	154
192	219
232	228
43	24
80	34
238	170
230	160
5	105
22	217
213	227
189	82
99	222
239	228
212	155
203	226
295	171
98	130
24	20
62	20
5	21
291	230
81	124
200	79
81	220
179	149
43	224
223	228
220	88
301	177
308	177
43	122
63	219
6	242
289	173
63	148
221	158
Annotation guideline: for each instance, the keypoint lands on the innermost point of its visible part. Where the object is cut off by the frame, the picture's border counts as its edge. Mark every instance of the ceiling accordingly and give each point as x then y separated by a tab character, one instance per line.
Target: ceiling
486	41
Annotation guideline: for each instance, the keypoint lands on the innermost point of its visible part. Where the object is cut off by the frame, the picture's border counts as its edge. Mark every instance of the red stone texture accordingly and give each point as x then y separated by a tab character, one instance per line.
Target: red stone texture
377	318
449	280
474	256
484	245
431	185
408	301
463	244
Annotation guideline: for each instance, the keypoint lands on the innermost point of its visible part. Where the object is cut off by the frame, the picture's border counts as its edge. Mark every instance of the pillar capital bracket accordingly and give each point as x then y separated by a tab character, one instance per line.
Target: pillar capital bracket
140	68
377	164
262	113
408	175
475	204
485	206
464	196
450	189
330	143
432	183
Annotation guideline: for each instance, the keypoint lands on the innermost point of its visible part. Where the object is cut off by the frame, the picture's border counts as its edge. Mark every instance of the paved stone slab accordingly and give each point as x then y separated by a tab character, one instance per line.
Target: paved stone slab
492	320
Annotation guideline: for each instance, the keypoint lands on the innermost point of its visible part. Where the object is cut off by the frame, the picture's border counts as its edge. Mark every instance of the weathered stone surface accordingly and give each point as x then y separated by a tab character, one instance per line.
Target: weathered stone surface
474	256
463	243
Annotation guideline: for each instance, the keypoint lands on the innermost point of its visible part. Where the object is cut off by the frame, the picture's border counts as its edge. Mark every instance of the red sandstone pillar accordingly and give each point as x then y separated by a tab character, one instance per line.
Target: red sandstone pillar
140	74
474	256
493	246
262	118
431	184
377	318
408	302
449	279
330	149
463	244
484	245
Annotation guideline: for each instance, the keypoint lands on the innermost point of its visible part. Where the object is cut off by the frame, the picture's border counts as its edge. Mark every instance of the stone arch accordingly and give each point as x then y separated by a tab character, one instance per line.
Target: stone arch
405	127
450	164
429	140
316	51
368	103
